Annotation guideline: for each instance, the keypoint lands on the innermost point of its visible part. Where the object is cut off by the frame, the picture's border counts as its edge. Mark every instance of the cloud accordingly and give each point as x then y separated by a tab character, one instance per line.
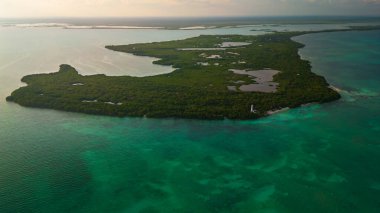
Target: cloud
187	7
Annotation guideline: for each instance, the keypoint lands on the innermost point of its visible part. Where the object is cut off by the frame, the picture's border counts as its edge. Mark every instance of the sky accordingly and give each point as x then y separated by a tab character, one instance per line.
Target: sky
153	8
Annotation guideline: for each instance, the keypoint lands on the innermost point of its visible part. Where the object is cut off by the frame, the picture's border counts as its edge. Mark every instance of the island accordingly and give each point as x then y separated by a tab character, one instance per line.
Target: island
215	77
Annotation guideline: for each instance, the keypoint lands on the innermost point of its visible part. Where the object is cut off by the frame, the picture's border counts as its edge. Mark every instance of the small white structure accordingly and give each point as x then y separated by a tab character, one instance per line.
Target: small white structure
214	57
203	63
253	110
232	53
89	101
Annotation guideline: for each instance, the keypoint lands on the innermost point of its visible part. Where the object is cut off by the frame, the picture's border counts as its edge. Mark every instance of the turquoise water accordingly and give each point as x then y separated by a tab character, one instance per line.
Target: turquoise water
319	158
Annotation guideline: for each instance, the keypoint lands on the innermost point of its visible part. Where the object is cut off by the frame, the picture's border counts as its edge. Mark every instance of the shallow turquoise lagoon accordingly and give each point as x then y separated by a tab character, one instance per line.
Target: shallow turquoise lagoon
319	158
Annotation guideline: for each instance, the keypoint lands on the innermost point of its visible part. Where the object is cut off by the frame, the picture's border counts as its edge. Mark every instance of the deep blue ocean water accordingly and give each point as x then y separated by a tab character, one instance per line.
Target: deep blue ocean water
319	158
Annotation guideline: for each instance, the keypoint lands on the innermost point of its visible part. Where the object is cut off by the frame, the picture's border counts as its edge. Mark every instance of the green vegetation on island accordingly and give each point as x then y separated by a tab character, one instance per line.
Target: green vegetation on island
200	86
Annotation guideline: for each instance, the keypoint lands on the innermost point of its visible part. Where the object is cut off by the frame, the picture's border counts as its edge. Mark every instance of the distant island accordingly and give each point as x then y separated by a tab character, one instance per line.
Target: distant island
215	77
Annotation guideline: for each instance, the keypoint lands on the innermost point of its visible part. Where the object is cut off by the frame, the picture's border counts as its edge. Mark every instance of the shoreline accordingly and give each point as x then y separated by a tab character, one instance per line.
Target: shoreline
124	110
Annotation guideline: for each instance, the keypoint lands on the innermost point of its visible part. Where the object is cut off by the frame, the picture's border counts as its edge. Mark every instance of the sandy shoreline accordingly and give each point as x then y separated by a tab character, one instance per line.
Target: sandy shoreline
271	112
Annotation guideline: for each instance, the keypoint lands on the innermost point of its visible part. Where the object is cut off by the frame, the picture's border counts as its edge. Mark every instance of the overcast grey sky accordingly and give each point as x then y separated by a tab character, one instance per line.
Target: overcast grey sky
83	8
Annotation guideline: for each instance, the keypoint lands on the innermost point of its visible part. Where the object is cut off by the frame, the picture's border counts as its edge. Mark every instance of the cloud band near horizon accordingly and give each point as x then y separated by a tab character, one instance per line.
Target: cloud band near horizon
91	8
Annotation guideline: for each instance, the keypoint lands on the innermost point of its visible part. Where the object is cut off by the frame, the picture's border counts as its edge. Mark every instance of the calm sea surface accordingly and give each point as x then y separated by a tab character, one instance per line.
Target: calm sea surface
320	158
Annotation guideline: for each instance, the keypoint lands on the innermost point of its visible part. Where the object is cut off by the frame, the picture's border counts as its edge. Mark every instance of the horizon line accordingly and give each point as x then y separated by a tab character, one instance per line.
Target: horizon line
227	16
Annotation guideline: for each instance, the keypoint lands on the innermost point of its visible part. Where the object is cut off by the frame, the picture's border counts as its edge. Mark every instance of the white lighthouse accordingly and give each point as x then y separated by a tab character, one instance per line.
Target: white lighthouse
253	109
